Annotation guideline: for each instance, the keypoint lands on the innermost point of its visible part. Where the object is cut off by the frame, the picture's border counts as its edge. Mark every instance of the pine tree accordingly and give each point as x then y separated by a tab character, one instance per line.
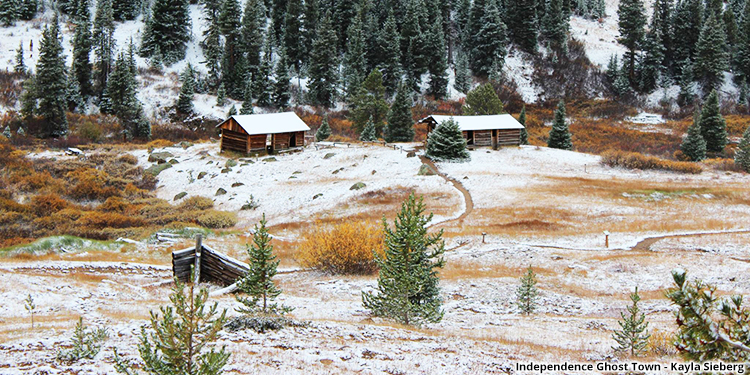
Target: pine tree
169	28
121	93
221	96
277	11
232	111
687	24
413	54
400	125
522	121
559	136
73	97
711	55
233	63
125	9
522	22
661	20
355	64
483	100
613	68
388	43
53	79
9	10
6	132
324	65
555	25
177	339
489	45
651	62
438	61
28	9
247	98
258	283
631	24
253	33
743	50
185	100
687	91
368	133
694	146
343	12
281	93
742	153
743	95
713	125
310	18
474	23
295	51
447	143
103	40
408	290
20	66
211	43
324	131
634	335
463	75
732	32
369	104
261	79
82	43
527	293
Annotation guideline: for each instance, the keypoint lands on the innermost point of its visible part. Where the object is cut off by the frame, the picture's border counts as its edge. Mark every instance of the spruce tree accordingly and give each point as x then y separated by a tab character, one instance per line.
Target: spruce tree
687	91
20	66
310	18
651	62
631	24
233	63
633	337
408	289
694	146
324	65
368	133
555	25
355	63
9	10
324	131
400	125
51	78
73	97
221	96
277	11
522	22
711	58
281	93
369	104
178	337
522	121
662	20
211	43
447	143
713	125
743	50
474	22
732	32
258	283
559	135
527	293
232	111
6	132
438	62
121	91
293	46
185	99
125	10
742	153
390	53
483	100
168	28
687	24
489	45
103	40
253	33
413	51
261	79
463	74
247	98
82	43
28	9
613	69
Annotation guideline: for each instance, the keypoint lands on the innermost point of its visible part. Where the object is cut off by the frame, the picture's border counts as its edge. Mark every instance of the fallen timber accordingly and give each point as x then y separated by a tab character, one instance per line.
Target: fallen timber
208	266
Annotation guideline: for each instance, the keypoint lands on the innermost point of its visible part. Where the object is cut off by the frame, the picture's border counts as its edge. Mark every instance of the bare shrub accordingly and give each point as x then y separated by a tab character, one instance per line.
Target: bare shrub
633	160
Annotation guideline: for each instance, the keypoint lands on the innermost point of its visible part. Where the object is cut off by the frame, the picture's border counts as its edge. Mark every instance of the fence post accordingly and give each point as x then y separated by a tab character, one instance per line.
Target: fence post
198	251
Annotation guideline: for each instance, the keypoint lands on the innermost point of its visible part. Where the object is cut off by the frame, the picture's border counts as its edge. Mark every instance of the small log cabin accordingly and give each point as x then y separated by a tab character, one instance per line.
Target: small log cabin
482	131
267	132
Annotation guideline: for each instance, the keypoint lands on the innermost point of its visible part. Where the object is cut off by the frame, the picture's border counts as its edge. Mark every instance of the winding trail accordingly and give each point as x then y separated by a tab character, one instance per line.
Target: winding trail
456	184
645	244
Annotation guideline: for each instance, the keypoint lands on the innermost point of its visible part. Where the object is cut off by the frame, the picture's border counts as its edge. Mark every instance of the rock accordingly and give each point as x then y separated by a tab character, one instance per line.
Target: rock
411	154
237	184
269	159
180	196
426	170
221	191
154	170
374	171
316	196
329	155
160	157
291	177
226	170
466	177
173	161
338	170
357	186
201	175
231	163
185	145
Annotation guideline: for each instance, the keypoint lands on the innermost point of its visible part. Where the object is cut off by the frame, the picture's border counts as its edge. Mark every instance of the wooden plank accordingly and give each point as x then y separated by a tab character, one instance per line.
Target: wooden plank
483	138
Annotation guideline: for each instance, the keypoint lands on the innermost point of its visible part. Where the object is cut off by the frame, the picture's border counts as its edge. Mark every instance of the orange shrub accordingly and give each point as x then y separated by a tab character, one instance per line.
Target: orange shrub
196	203
160	143
217	219
346	248
47	204
101	220
634	160
114	204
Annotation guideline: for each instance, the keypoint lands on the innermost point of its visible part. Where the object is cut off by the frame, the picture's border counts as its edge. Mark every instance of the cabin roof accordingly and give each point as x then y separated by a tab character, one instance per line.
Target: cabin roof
270	123
486	122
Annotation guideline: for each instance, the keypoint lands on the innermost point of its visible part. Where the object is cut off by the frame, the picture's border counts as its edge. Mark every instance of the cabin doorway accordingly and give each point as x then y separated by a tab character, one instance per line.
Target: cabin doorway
293	140
470	137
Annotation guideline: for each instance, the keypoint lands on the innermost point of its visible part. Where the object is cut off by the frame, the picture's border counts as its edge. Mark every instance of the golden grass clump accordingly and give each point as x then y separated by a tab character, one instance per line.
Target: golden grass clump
634	160
197	203
345	248
661	343
217	219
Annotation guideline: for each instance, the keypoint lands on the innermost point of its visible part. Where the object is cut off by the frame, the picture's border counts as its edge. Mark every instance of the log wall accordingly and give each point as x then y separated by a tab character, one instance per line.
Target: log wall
509	137
216	268
483	138
257	142
235	141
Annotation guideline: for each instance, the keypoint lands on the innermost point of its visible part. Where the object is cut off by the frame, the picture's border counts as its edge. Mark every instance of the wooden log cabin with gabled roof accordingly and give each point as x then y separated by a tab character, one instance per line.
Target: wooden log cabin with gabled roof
482	131
265	132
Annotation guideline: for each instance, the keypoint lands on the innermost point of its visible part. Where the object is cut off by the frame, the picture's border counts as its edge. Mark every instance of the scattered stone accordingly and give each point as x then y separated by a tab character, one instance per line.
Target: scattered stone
329	155
185	145
231	163
155	169
291	177
426	170
226	170
180	196
269	159
202	174
237	184
316	196
221	191
210	162
374	171
160	157
466	177
296	172
357	186
411	154
173	161
338	170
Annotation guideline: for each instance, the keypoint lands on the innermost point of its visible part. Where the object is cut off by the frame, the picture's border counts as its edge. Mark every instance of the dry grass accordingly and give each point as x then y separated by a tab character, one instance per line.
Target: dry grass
461	270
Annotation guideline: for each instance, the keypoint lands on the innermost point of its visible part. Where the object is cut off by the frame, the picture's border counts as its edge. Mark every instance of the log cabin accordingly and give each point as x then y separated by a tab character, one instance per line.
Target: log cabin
262	133
482	131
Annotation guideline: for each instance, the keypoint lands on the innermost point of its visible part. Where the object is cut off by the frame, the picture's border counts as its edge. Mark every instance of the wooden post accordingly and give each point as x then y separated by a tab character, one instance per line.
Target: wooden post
606	239
198	248
483	235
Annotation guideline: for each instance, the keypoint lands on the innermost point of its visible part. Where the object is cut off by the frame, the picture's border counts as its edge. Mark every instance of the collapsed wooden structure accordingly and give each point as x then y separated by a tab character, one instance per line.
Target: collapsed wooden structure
262	133
482	131
208	265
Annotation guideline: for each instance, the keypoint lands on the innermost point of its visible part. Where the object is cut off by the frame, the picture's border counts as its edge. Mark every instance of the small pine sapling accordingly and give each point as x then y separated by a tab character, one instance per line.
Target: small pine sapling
20	66
559	136
522	120
527	293
368	133
324	131
221	95
694	146
446	143
86	343
29	301
633	337
232	111
258	283
742	153
6	132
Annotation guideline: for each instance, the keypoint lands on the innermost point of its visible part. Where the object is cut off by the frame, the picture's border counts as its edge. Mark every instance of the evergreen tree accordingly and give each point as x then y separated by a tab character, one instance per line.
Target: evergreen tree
73	97
247	103
51	79
527	293
559	136
613	69
743	98
368	133
258	283
694	146
743	50
555	25
179	337
634	335
413	51
211	43
185	100
711	55
6	132
125	9
168	28
310	18
103	40
687	24
369	104
522	23
447	143
687	92
483	100
253	33
343	12
732	32
631	24
295	50
742	153
221	96
281	93
277	18
438	62
233	63
28	9
121	93
522	121
489	45
388	47
261	79
324	65
463	74
713	125
474	23
355	64
651	61
324	131
81	69
400	125
9	10
661	20
232	111
20	66
408	290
